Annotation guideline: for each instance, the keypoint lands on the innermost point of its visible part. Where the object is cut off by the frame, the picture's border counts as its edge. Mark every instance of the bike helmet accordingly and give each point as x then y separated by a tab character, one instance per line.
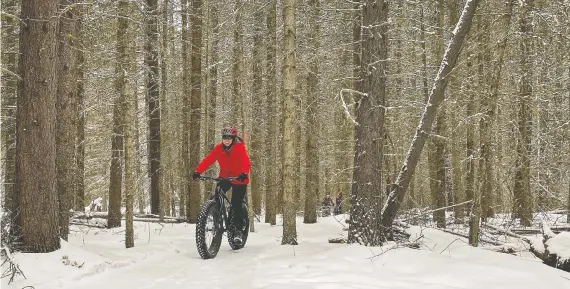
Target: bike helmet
229	131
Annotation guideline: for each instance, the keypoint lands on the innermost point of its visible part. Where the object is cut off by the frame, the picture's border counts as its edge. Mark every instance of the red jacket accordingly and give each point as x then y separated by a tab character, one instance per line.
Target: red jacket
232	162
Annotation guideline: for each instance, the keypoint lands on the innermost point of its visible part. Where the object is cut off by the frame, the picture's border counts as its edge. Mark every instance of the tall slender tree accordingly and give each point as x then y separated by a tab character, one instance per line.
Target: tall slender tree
66	124
273	128
522	190
258	118
312	167
153	99
185	196
289	119
237	68
166	136
116	170
124	64
489	107
81	116
195	105
36	126
436	154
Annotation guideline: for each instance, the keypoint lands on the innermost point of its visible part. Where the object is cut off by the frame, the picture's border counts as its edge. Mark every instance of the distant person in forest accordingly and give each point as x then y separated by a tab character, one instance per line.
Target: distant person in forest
338	204
233	160
327	205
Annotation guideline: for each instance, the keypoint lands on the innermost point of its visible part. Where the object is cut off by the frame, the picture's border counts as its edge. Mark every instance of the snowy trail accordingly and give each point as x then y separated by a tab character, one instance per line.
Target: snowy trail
166	257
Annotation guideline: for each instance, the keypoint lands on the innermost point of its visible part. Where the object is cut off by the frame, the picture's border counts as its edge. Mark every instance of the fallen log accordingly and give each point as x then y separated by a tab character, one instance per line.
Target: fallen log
339	240
556	248
99	226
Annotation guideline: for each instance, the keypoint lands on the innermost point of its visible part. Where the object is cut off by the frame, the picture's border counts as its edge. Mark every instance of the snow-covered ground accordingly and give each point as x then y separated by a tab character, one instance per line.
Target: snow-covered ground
166	257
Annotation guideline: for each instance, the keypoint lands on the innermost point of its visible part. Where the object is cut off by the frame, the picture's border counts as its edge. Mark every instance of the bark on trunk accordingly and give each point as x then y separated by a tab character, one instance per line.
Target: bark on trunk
195	106
522	190
289	115
367	193
123	41
9	46
153	99
312	167
36	127
273	182
66	114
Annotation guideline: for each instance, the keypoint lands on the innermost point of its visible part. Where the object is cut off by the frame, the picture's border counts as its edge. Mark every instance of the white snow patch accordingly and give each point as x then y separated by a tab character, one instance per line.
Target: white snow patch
560	245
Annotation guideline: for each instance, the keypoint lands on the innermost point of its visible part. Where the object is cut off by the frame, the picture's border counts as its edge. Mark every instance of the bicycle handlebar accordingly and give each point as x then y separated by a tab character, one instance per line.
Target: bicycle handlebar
206	178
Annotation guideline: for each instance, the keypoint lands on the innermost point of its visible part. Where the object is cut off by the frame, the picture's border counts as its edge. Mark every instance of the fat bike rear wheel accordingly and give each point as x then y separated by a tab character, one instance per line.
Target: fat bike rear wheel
244	230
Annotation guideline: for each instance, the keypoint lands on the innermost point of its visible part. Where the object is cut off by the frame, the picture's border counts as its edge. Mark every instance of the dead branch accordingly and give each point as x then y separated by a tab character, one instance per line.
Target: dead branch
496	243
435	210
13	269
506	248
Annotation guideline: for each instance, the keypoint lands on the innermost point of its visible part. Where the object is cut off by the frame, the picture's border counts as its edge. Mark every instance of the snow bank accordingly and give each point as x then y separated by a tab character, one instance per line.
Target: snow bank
166	257
560	246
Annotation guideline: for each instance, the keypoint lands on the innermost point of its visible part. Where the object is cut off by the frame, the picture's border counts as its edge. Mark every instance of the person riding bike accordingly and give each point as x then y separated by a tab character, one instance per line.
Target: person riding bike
233	160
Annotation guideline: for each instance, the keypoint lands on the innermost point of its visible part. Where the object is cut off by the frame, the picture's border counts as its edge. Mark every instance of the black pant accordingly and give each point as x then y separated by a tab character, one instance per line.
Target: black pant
238	194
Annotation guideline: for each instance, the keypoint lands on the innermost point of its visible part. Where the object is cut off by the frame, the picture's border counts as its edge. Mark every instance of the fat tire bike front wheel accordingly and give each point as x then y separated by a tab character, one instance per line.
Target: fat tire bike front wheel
209	230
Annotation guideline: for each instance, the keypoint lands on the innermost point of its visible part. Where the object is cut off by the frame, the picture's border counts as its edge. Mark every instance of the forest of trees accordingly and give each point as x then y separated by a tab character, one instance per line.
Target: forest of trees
122	99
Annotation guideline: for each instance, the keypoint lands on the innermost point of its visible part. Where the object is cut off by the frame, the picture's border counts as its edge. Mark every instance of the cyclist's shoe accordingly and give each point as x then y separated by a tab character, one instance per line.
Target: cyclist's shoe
238	239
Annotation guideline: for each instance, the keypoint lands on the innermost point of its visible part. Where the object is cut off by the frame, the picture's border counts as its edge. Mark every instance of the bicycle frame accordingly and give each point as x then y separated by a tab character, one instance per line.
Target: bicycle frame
221	198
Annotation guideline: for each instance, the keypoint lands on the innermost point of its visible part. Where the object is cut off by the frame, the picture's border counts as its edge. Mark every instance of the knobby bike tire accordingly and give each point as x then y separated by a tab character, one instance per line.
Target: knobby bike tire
244	232
212	208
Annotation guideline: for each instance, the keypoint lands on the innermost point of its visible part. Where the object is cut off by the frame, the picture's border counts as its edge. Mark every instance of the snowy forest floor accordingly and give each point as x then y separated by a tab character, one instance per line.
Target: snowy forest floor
165	256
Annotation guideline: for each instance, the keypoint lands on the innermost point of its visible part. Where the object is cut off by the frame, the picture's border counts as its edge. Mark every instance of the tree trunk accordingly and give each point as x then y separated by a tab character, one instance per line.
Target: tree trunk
369	135
457	195
195	198
36	127
116	172
489	107
9	47
476	193
66	113
485	180
186	165
258	116
237	67
81	121
124	65
436	152
357	208
211	106
165	123
311	120
272	180
289	117
152	86
522	191
139	194
436	97
568	142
